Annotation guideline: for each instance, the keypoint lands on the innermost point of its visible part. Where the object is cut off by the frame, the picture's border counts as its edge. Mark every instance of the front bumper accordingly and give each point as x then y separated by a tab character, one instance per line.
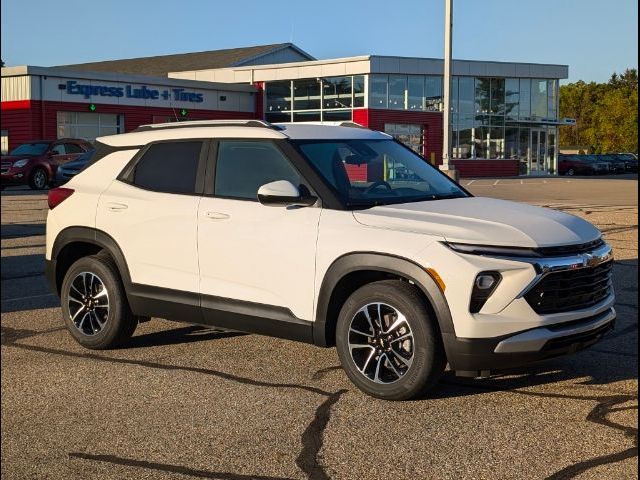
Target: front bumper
480	356
14	176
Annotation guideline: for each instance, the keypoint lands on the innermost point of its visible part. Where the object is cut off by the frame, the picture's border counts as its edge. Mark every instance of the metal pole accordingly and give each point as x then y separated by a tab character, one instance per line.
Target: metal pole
446	144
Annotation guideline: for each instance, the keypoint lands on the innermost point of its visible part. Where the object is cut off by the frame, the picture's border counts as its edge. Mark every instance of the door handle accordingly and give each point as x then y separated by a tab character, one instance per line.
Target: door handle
116	207
217	216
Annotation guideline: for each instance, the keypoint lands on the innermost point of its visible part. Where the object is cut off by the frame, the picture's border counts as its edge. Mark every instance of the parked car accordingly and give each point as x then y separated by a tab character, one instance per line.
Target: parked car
630	159
249	226
618	165
35	163
598	164
574	165
67	171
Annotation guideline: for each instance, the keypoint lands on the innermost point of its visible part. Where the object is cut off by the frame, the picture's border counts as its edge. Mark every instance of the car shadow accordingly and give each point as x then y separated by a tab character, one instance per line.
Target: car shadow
176	336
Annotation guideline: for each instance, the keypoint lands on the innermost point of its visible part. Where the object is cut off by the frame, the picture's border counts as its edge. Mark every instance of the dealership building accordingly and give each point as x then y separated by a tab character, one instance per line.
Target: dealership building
504	115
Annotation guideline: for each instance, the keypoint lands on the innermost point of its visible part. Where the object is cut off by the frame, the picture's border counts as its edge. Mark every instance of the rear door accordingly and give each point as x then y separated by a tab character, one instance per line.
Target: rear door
151	212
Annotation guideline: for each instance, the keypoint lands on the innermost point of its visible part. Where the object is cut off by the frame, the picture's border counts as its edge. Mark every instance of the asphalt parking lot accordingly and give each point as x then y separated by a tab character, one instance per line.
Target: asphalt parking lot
184	401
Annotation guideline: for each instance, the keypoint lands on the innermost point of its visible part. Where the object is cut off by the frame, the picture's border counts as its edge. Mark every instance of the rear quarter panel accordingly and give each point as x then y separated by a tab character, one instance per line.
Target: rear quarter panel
79	210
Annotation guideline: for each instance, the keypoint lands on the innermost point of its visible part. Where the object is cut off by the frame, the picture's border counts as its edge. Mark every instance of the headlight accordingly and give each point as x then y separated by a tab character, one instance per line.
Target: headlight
21	163
493	251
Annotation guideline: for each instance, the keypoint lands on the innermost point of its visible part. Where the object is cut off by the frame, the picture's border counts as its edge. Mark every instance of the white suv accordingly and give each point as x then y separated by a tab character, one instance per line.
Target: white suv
331	235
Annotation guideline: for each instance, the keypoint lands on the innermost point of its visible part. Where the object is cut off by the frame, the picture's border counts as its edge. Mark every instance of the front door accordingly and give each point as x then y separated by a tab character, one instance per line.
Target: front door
252	257
539	158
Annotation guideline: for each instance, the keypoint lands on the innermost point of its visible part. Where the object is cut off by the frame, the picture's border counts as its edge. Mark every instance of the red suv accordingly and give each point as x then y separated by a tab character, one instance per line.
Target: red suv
35	163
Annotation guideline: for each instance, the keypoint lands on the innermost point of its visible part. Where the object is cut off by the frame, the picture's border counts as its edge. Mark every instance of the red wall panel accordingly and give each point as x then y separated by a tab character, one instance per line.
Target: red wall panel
31	120
488	168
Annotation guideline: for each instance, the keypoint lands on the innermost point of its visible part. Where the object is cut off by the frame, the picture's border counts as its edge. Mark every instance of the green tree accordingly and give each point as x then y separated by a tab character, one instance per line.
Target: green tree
606	113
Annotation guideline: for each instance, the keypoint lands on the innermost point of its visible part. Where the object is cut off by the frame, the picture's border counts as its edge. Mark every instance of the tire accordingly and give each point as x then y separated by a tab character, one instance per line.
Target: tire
382	373
39	179
97	327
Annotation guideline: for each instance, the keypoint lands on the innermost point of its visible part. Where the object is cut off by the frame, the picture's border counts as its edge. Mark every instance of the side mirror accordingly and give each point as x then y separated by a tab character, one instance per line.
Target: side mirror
283	193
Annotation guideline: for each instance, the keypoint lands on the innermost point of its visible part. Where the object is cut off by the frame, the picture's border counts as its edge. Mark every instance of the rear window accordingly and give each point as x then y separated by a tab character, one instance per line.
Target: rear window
170	167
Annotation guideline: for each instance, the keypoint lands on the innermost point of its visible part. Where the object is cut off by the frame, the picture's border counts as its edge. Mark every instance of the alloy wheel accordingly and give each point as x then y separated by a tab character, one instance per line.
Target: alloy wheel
40	179
381	343
88	303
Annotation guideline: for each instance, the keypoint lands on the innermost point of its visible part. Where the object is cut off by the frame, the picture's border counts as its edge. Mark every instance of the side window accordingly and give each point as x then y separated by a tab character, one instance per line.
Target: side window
58	149
243	167
168	167
73	148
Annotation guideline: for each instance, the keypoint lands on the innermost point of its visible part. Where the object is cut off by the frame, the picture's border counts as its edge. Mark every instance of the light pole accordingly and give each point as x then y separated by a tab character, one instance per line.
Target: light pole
447	167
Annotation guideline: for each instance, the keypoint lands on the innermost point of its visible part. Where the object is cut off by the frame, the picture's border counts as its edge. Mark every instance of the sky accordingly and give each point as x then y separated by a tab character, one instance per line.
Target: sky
594	37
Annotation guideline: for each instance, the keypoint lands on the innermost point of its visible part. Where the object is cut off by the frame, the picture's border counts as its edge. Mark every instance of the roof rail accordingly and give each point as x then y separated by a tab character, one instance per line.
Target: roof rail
205	123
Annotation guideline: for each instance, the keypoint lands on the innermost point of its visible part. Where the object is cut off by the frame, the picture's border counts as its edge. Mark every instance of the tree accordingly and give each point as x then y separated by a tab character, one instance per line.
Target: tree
606	113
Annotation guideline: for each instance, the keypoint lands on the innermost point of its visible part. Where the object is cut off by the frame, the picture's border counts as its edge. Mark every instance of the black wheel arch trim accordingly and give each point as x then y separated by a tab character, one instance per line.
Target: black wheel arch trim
395	265
93	236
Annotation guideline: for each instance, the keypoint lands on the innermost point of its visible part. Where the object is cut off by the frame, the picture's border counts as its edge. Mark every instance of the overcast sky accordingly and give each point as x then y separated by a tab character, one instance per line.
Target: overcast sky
594	37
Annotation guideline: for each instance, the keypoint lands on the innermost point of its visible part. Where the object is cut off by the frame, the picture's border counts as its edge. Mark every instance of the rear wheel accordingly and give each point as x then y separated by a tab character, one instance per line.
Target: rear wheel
388	344
39	179
94	304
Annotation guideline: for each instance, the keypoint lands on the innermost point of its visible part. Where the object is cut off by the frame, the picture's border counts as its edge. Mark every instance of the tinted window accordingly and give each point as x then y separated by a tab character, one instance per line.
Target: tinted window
243	167
73	148
58	149
169	167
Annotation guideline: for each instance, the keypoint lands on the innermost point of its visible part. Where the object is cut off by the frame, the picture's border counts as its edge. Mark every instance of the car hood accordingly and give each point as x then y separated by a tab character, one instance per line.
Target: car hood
483	221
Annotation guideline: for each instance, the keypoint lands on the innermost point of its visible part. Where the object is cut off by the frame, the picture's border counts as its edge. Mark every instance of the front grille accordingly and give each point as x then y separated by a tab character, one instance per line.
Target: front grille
571	289
570	249
4	170
6	165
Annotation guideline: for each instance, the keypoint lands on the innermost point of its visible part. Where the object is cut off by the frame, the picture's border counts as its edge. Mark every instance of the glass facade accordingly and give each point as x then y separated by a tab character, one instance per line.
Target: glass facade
315	99
492	118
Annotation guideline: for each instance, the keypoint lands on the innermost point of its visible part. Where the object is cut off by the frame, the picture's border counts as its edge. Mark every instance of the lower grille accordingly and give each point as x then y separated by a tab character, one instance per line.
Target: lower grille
571	289
584	338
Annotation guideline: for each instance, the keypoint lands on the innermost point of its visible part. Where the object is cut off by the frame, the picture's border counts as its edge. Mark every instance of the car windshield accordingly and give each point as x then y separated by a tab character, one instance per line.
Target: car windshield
37	148
365	173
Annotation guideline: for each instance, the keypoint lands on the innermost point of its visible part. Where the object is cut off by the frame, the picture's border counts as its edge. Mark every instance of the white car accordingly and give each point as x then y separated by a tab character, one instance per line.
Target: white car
306	232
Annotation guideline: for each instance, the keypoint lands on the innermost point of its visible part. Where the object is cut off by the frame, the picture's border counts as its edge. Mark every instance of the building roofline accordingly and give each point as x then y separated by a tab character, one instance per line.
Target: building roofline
277	48
23	70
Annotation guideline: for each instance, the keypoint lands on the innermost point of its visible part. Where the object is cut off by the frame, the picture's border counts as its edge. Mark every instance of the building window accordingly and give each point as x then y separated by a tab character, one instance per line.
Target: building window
306	94
358	90
410	134
539	99
378	91
512	98
337	92
397	91
525	99
87	125
466	94
415	93
552	99
278	97
4	142
497	96
433	93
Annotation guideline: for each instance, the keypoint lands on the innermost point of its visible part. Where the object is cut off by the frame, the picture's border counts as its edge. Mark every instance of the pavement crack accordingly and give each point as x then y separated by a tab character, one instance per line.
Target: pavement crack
168	468
313	437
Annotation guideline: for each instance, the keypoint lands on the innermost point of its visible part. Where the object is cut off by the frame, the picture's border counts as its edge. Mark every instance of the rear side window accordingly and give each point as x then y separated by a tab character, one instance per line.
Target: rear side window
73	148
170	167
243	167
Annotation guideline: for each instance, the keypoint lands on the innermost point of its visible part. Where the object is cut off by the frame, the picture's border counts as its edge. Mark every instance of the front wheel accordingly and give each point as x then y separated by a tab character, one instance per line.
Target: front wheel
94	304
388	344
39	179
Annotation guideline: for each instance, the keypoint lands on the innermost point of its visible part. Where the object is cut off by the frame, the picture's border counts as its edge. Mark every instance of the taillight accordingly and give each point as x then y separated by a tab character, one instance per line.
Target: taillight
58	195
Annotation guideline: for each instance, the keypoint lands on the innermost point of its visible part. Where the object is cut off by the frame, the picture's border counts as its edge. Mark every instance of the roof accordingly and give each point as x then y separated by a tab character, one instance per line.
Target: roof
163	64
239	129
372	64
